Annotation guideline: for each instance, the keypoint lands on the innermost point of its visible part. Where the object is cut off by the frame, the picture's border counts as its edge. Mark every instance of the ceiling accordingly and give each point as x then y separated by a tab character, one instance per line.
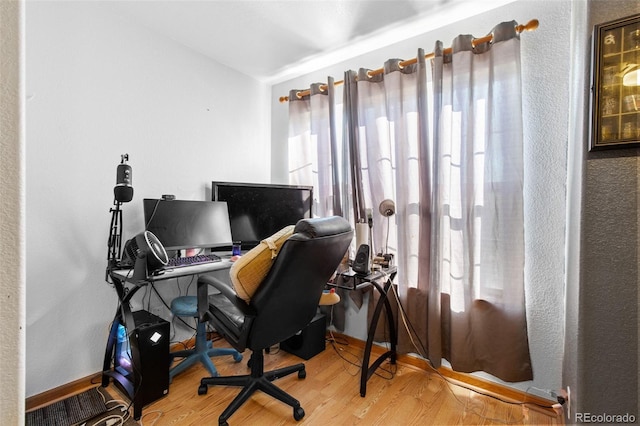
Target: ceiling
273	40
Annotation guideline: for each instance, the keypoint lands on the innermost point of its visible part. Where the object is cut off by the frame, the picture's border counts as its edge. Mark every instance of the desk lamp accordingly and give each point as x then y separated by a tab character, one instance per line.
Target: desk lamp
387	208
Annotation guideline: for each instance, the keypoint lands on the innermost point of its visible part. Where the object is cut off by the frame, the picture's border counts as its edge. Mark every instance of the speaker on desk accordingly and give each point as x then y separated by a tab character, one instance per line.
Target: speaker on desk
361	262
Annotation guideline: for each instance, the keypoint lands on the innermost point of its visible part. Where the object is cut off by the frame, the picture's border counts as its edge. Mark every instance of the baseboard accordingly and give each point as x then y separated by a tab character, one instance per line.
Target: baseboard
61	392
80	385
467	380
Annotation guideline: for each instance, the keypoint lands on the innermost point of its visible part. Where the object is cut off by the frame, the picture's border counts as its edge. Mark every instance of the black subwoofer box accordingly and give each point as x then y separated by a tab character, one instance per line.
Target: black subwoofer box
151	343
309	341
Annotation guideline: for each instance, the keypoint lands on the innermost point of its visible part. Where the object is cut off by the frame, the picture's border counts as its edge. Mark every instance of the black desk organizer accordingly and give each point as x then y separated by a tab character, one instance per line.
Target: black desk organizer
353	281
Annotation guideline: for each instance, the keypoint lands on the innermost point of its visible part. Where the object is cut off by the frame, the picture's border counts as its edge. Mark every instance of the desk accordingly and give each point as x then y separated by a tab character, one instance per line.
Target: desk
359	282
126	288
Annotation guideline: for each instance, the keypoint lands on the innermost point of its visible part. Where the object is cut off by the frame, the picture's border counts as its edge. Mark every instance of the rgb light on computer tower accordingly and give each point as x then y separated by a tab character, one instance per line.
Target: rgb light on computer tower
122	361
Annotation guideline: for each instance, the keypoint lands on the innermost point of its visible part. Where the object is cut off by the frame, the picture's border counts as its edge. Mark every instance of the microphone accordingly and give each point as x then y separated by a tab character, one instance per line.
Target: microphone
123	191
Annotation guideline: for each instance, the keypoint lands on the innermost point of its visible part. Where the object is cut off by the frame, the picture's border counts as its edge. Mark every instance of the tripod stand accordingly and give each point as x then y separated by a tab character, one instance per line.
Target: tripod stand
115	238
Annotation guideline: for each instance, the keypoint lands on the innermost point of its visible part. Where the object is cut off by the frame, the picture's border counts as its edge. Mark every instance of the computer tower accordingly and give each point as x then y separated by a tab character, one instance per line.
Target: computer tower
309	341
149	345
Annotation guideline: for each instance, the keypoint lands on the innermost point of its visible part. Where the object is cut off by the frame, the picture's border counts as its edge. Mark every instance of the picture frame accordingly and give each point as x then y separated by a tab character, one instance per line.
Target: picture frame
615	90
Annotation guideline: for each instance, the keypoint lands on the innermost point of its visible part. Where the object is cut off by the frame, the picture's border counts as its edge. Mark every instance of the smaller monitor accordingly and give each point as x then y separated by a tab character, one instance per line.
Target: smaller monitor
185	224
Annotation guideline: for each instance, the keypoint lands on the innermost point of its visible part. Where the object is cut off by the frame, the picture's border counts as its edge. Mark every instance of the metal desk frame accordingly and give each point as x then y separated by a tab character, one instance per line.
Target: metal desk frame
362	282
126	288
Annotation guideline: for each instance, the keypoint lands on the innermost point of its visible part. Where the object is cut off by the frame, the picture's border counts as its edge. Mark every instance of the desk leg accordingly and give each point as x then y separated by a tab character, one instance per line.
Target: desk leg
109	352
367	371
393	335
137	409
123	316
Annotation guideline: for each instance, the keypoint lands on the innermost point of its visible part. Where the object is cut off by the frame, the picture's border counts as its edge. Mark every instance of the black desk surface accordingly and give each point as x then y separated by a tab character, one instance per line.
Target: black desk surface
351	280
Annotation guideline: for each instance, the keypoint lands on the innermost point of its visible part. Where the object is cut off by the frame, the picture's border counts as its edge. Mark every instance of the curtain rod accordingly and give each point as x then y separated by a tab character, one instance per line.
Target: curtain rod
529	26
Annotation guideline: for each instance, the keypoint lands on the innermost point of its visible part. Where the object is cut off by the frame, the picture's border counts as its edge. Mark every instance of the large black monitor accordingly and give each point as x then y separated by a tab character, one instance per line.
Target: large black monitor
257	211
185	224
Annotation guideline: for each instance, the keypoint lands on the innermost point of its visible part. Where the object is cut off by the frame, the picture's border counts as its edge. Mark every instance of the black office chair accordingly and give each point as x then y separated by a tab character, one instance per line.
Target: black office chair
284	303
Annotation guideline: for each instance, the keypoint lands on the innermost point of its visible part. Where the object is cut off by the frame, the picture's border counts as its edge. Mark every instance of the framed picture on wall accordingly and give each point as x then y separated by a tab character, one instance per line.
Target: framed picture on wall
615	90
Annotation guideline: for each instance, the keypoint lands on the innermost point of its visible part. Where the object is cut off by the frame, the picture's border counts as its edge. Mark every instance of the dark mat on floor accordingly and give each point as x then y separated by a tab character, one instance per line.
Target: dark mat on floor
70	411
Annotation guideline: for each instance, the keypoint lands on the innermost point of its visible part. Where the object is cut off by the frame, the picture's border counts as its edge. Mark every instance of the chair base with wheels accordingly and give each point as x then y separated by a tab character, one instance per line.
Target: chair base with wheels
187	306
257	380
264	309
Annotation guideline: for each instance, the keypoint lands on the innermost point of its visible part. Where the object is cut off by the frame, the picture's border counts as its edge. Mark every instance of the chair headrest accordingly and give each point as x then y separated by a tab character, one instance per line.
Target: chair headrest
322	226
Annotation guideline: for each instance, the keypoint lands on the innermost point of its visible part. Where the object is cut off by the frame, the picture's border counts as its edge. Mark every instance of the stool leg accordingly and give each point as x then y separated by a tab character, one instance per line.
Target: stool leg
202	348
203	353
202	344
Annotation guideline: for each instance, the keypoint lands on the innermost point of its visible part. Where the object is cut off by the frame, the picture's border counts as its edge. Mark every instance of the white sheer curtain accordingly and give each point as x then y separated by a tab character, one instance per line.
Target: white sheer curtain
394	152
309	142
316	152
477	268
458	232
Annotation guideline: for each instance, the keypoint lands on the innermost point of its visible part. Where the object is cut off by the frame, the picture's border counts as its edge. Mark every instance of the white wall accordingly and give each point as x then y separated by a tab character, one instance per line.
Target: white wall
98	87
545	71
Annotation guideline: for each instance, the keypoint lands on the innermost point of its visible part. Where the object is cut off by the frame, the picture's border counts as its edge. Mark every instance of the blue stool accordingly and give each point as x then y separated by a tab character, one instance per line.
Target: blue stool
187	306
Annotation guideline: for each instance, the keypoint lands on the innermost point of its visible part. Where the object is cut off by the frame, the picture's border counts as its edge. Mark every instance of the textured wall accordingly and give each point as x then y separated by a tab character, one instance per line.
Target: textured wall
12	332
607	328
575	166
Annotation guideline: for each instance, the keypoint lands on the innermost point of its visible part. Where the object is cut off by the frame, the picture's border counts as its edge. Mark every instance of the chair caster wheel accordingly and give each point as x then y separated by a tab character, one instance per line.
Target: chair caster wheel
202	389
237	357
298	413
302	374
223	423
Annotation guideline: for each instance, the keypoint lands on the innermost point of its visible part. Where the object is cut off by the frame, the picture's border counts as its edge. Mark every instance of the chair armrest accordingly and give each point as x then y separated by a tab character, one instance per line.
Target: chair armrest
218	284
226	290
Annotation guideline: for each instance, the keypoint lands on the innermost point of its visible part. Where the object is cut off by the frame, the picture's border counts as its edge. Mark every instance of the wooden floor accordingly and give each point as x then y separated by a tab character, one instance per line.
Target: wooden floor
330	396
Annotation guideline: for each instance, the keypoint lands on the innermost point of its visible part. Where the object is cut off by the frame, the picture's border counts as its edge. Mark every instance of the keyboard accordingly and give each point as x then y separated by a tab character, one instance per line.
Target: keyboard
180	262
